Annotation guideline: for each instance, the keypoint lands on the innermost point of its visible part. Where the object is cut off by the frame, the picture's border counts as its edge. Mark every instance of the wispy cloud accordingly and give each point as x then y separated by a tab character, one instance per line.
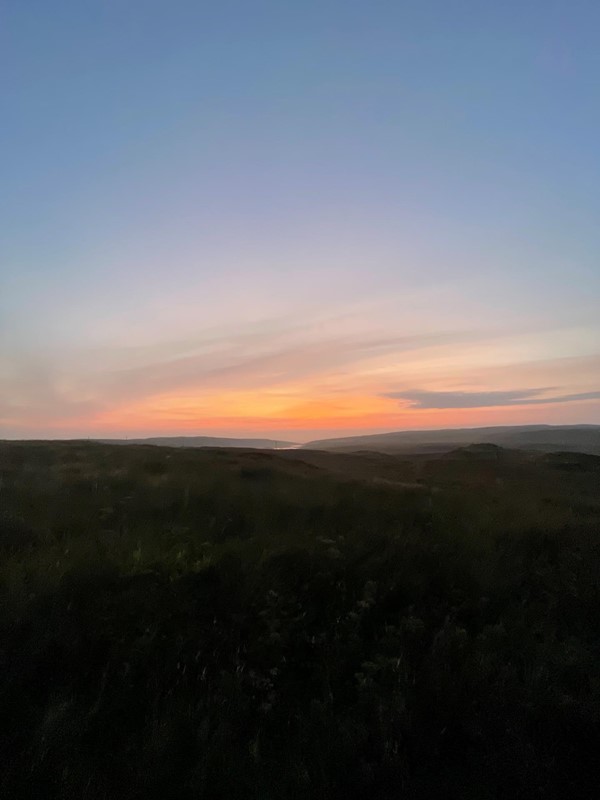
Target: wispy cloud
50	388
233	364
516	397
329	367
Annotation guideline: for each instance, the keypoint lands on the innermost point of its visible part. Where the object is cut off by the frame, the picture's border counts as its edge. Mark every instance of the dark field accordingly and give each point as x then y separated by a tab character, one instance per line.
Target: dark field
180	623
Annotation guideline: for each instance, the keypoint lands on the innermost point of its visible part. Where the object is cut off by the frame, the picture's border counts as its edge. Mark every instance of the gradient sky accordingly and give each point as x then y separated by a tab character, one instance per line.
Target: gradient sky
298	218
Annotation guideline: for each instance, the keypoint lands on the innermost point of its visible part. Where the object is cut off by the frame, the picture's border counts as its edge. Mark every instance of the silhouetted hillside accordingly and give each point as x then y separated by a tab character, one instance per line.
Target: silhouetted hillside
579	462
547	438
483	452
202	441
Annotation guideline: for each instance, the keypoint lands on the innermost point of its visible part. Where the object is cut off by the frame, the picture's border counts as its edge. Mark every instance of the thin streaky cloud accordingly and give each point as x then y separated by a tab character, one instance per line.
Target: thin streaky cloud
518	397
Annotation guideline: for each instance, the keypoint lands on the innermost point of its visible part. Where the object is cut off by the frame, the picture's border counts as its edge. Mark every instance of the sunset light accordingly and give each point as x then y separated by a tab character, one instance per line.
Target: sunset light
297	223
299	399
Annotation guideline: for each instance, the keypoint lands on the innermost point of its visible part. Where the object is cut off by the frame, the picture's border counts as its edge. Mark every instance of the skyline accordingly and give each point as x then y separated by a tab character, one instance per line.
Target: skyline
251	220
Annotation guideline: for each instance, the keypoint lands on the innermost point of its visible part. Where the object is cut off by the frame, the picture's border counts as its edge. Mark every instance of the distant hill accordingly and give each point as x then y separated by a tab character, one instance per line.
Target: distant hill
544	438
572	462
481	452
203	441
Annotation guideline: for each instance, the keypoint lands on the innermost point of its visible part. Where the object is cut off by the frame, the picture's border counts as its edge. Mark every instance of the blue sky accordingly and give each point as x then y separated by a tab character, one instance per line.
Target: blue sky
296	218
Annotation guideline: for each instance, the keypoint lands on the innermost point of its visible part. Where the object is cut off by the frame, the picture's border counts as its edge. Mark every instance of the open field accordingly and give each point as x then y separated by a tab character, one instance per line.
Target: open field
219	623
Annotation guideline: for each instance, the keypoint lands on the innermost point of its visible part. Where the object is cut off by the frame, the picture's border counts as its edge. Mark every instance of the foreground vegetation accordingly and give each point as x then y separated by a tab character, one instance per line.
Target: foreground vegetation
240	624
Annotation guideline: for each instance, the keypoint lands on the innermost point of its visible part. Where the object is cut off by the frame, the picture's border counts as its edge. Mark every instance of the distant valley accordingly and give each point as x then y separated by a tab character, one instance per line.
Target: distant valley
204	441
539	438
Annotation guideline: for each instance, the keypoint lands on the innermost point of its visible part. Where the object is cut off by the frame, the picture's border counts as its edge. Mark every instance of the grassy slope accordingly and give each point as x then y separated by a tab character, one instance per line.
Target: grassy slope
545	438
300	624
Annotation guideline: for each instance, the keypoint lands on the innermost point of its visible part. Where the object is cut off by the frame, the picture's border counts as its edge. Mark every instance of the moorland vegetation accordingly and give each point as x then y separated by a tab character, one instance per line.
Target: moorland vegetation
180	623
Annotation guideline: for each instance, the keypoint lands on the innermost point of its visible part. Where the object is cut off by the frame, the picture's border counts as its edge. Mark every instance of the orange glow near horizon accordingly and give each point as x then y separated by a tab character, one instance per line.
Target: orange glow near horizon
271	401
290	415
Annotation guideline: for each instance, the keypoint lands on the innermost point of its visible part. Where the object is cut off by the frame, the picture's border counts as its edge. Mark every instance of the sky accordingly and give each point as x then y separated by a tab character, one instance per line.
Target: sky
296	220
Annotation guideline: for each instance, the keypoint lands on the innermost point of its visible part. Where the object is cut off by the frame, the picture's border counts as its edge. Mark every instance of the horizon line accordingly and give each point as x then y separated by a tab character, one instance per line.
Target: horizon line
274	438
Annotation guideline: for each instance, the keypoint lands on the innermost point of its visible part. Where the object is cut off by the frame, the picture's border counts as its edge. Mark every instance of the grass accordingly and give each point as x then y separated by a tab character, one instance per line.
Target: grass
180	623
